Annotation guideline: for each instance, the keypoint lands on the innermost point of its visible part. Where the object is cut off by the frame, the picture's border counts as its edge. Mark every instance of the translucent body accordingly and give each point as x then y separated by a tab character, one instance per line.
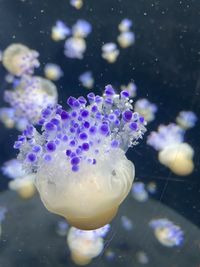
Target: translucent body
53	71
125	25
178	158
87	79
126	39
76	3
60	31
75	47
28	99
81	29
85	245
186	119
18	59
97	192
146	109
110	52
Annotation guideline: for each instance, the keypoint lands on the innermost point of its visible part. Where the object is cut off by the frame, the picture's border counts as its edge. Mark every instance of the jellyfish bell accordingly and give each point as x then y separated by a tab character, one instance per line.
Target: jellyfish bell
82	172
18	59
110	52
178	158
96	192
126	39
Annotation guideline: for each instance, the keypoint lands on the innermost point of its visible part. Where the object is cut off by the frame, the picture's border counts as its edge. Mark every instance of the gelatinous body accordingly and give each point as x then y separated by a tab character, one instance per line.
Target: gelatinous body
27	100
81	28
139	192
110	52
76	3
82	156
53	71
86	245
18	59
186	119
125	25
75	47
87	79
126	39
146	109
173	152
166	232
60	31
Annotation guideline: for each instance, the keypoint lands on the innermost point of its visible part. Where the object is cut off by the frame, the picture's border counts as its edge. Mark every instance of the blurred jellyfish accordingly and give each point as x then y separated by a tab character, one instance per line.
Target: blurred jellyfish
87	79
82	156
18	59
126	223
62	228
1	55
152	187
60	31
21	182
110	52
146	109
110	255
131	88
126	39
139	192
53	71
81	29
86	245
3	211
173	152
186	119
75	47
7	117
76	3
125	25
142	257
27	100
166	232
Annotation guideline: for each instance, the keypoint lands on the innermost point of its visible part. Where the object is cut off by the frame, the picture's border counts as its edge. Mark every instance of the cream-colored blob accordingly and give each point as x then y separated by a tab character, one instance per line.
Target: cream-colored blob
163	236
124	40
111	57
24	186
178	158
14	57
83	247
89	198
77	4
184	124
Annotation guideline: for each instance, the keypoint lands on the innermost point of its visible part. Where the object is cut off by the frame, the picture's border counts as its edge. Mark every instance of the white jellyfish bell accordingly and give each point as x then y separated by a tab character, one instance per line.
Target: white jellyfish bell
82	172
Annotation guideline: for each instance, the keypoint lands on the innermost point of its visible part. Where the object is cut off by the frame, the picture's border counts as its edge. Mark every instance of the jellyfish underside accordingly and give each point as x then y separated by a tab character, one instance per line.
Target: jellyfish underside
90	198
178	158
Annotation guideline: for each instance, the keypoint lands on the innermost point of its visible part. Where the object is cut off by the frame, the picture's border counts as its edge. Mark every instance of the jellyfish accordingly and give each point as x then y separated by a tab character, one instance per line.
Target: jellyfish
28	98
60	31
146	109
22	183
87	79
125	25
81	169
7	117
166	232
1	55
126	39
75	47
62	228
76	3
186	119
18	59
110	52
53	71
139	192
142	257
81	29
174	153
131	88
86	245
3	211
126	223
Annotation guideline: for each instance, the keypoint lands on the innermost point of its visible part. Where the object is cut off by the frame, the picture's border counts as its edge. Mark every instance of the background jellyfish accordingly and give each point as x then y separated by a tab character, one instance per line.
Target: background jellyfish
81	28
18	59
76	3
21	182
82	156
86	245
166	232
186	119
139	192
29	97
125	25
173	151
60	31
146	109
53	71
87	79
126	39
110	52
131	88
75	47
